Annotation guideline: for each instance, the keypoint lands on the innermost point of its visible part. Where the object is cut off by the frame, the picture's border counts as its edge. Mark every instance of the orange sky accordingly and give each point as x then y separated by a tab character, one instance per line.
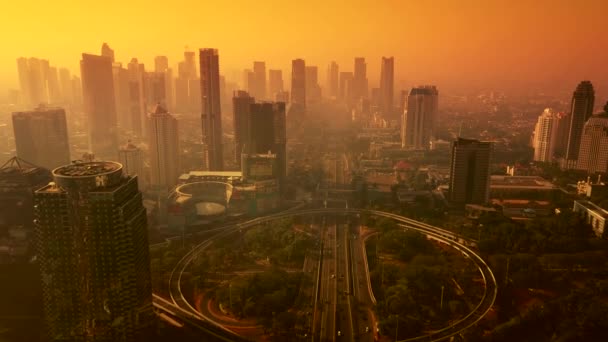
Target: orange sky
446	42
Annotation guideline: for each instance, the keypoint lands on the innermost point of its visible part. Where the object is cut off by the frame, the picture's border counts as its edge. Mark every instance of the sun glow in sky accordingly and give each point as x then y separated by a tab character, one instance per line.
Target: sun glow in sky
453	43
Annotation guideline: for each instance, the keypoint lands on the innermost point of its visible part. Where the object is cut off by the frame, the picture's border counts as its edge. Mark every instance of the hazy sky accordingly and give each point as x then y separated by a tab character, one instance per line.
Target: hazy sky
454	43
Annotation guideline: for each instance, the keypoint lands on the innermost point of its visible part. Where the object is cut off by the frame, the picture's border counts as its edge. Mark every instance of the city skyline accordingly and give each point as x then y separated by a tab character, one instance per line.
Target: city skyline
495	51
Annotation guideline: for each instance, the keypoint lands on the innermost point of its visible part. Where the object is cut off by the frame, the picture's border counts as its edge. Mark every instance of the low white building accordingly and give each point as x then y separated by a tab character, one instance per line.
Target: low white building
593	214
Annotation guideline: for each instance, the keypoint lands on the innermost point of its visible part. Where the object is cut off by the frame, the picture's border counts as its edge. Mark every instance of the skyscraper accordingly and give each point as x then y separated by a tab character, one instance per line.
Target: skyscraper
257	85
211	111
360	83
581	109
106	51
546	137
333	81
132	159
387	79
275	82
470	172
163	142
137	100
418	120
161	63
346	86
92	248
298	83
18	181
33	80
241	102
99	105
41	137
593	154
313	90
268	134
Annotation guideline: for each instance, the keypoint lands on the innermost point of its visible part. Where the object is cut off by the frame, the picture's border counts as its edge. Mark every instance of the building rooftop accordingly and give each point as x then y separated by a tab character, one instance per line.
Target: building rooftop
87	169
521	182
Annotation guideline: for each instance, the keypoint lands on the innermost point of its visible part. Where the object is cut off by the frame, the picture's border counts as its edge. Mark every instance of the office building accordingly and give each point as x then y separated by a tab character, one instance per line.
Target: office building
93	253
470	172
360	83
545	140
137	99
275	82
313	90
99	105
581	109
41	137
132	159
18	181
418	120
33	80
257	82
106	51
593	154
333	80
163	142
346	86
268	134
298	84
387	80
241	102
211	111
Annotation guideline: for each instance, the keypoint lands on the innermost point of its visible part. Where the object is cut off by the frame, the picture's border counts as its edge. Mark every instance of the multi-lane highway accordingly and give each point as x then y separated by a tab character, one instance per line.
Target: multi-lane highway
344	295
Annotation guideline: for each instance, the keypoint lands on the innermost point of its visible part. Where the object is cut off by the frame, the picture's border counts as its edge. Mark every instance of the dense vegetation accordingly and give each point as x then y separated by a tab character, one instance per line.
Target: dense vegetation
552	280
408	273
267	296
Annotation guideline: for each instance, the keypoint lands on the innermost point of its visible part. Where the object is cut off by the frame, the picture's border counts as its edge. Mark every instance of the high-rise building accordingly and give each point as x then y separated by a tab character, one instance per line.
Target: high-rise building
333	80
65	82
211	111
18	181
546	137
581	110
33	80
161	63
41	137
313	90
137	99
122	96
593	154
360	83
187	85
93	253
470	172
54	89
241	102
106	51
99	105
257	85
275	82
268	134
387	80
346	86
418	120
156	88
132	159
298	83
163	142
161	66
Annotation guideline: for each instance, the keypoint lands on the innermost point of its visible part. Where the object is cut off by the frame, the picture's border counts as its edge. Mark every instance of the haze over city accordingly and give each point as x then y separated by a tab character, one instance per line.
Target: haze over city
319	171
458	45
